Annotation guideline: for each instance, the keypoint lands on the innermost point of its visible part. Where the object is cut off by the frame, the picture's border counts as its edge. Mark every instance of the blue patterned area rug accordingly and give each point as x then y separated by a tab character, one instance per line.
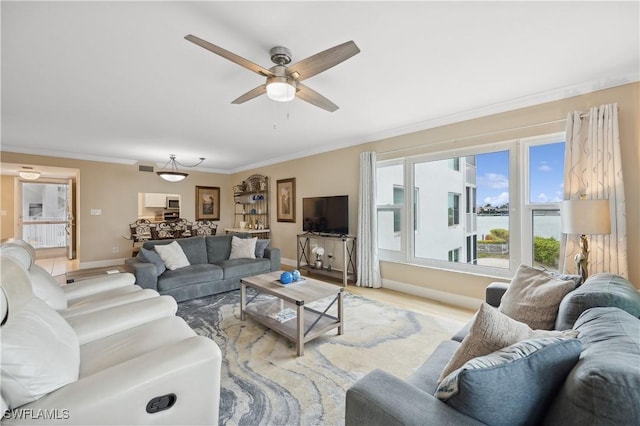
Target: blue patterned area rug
265	383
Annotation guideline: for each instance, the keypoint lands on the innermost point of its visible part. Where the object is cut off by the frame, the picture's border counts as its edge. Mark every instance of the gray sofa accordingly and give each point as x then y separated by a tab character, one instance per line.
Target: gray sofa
602	388
210	270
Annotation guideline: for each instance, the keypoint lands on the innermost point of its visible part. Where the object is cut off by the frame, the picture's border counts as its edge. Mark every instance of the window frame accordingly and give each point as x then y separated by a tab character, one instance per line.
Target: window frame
520	206
528	207
406	253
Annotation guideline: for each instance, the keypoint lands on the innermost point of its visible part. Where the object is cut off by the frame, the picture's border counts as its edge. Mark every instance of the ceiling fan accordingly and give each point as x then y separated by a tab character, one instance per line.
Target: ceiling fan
284	82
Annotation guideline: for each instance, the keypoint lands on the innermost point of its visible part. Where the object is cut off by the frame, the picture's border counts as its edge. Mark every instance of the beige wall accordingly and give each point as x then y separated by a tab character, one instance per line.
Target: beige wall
113	188
6	207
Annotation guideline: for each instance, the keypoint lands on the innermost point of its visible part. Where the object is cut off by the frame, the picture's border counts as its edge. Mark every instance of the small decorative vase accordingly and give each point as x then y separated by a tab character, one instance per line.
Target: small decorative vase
318	264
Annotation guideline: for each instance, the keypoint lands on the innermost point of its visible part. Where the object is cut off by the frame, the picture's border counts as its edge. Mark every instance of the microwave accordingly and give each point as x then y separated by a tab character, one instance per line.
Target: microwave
173	202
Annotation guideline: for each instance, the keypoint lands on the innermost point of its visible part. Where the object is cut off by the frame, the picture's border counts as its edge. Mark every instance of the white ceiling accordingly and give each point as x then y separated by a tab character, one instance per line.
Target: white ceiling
116	81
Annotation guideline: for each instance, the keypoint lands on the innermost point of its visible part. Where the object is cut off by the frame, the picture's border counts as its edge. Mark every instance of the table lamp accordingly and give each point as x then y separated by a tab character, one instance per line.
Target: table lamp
585	217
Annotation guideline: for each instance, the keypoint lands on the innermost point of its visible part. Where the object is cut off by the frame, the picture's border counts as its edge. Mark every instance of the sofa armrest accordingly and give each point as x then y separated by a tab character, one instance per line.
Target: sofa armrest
380	398
146	273
118	395
273	254
494	293
96	325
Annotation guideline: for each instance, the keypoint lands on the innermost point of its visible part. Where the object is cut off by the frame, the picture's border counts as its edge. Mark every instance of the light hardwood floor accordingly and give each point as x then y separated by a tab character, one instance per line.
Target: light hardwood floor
59	266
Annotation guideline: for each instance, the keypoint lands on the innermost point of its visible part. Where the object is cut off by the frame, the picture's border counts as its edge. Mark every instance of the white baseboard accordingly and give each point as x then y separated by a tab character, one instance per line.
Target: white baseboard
288	262
441	296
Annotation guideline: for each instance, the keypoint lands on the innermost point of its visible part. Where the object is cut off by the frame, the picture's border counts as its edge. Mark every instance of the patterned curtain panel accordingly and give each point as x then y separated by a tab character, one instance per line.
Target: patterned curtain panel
593	168
367	244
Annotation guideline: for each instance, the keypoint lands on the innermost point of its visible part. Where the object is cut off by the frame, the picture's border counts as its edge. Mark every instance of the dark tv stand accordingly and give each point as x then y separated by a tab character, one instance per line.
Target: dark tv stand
305	261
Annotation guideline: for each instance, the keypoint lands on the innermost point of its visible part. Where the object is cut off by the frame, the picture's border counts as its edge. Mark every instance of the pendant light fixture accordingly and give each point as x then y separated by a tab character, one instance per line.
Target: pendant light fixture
173	174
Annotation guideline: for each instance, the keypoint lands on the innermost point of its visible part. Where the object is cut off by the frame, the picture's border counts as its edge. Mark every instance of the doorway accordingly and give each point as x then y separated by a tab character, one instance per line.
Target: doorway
45	217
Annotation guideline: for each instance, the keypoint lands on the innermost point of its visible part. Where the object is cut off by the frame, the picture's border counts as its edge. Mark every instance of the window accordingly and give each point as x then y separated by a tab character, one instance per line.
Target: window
497	208
453	210
545	164
454	255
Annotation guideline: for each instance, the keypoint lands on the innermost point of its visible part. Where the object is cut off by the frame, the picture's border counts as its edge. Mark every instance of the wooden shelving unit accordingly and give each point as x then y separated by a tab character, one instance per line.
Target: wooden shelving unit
251	201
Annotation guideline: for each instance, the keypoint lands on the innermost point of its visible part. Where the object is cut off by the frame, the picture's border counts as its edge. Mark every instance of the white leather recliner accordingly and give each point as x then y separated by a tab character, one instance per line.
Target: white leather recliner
77	298
158	372
100	316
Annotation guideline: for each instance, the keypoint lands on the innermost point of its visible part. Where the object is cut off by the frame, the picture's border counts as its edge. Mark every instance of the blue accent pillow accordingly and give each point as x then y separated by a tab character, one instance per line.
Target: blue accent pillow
151	256
514	385
260	246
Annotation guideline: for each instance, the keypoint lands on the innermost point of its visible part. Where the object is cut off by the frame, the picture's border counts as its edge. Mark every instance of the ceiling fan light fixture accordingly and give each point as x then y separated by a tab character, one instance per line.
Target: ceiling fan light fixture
281	89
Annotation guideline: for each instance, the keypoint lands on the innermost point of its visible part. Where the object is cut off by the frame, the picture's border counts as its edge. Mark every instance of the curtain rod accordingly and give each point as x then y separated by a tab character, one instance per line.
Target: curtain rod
496	132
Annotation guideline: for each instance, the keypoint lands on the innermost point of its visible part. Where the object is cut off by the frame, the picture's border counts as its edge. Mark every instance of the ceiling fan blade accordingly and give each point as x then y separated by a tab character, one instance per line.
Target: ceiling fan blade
229	55
253	93
323	61
314	98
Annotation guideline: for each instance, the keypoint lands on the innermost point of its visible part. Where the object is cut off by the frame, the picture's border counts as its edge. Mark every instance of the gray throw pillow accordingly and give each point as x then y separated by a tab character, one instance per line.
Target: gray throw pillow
491	331
150	256
513	386
534	296
260	246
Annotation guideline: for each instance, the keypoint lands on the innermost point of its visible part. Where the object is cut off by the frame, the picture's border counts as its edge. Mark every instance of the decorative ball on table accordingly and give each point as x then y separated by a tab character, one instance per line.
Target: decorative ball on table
286	277
295	274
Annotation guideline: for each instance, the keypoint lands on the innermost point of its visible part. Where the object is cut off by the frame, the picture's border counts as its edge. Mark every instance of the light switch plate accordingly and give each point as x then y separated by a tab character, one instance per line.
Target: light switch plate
96	212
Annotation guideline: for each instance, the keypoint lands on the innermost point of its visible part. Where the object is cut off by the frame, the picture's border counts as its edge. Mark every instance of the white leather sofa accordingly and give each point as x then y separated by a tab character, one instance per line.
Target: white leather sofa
156	372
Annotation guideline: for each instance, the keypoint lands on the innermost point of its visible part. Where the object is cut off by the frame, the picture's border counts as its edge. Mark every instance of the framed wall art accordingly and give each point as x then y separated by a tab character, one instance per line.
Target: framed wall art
208	202
286	200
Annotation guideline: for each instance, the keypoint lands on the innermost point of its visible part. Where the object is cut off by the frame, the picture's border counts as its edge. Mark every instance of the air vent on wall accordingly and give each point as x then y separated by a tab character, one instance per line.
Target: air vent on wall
142	168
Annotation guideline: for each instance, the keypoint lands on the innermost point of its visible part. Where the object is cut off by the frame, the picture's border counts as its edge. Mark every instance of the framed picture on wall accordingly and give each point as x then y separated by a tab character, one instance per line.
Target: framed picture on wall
286	200
208	202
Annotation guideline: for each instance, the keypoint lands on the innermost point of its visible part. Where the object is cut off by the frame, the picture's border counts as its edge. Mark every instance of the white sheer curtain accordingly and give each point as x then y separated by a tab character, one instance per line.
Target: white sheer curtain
367	245
593	167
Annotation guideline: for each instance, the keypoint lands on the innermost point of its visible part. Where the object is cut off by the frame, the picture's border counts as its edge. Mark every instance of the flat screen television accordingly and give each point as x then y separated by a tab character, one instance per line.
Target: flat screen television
326	215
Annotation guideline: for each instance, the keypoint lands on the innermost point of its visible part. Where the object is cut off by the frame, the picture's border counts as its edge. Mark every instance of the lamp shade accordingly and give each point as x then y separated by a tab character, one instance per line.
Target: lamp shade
586	217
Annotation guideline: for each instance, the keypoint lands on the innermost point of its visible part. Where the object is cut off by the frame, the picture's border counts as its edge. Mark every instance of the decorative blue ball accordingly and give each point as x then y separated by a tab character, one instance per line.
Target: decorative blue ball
295	274
286	278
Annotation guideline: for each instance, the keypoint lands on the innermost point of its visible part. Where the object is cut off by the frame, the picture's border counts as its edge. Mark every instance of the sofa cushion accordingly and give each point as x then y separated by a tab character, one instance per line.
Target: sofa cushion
152	256
533	297
40	353
490	331
243	248
235	268
192	274
261	245
599	290
218	247
172	255
519	380
195	249
604	386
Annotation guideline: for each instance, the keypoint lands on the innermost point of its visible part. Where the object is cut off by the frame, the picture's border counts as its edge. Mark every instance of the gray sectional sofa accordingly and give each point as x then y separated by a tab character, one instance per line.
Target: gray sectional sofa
210	270
602	386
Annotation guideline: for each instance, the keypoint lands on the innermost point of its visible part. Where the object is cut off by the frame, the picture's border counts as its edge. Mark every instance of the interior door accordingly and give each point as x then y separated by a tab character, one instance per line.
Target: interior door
71	225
